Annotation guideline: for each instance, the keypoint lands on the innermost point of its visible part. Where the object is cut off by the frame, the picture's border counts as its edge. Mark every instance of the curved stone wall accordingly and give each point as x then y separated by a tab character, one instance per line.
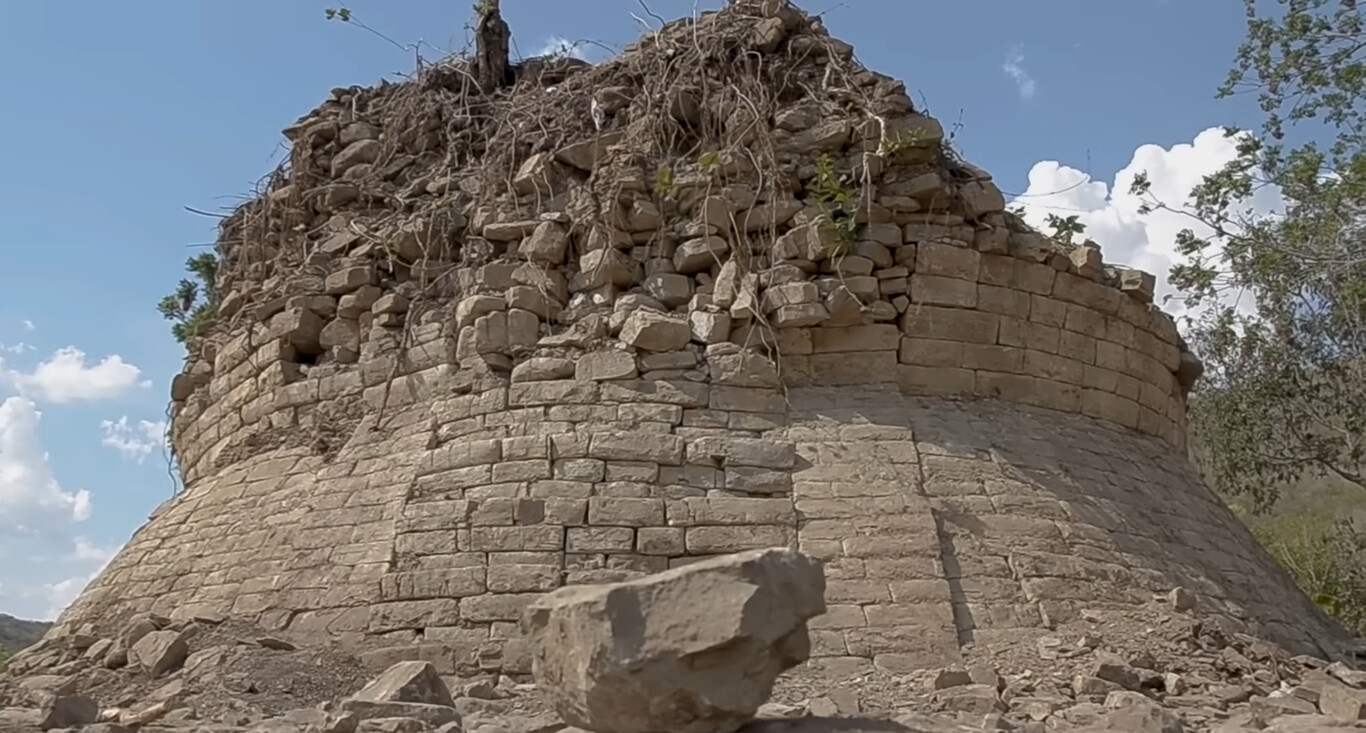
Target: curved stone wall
433	393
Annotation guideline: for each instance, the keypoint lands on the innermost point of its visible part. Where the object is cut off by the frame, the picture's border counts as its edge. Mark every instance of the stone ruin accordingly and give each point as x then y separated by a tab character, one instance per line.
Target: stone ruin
728	290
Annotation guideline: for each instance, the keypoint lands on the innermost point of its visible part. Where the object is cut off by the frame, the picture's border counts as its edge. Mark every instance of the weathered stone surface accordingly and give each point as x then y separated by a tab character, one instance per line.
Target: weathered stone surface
68	711
694	650
653	331
159	652
542	368
414	681
600	365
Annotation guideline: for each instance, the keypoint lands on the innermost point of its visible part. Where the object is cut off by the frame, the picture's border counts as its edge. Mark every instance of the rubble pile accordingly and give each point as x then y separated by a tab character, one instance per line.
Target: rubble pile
734	177
695	649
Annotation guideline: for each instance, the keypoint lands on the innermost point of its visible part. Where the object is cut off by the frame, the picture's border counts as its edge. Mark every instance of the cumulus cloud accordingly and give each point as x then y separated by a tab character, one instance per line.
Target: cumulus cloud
28	325
66	377
19	348
83	550
1014	68
60	594
561	46
1111	214
135	442
29	494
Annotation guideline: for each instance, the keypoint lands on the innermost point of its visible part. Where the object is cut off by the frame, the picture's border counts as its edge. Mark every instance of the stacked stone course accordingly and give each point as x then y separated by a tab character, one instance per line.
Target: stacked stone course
433	394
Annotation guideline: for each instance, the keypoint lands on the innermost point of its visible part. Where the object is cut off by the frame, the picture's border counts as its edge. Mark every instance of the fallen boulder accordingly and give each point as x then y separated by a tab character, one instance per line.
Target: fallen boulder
695	649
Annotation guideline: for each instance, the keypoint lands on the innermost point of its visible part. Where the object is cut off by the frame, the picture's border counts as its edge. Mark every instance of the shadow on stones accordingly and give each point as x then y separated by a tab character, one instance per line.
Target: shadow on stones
814	724
963	621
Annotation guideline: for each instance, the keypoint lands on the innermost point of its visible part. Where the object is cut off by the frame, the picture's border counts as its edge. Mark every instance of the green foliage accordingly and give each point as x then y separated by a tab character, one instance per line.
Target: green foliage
4	660
710	162
837	199
1284	392
908	139
1327	559
342	14
1065	228
194	305
664	187
484	8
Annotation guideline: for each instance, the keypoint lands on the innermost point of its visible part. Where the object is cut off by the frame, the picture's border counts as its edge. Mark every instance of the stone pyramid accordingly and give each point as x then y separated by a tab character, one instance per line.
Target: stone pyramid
726	290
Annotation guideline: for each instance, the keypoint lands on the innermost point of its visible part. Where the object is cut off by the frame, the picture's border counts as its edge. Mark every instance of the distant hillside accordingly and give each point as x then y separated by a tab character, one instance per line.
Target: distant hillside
15	634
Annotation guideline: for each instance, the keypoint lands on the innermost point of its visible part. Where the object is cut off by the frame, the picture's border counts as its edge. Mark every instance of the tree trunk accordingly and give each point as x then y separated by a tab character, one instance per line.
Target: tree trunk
491	39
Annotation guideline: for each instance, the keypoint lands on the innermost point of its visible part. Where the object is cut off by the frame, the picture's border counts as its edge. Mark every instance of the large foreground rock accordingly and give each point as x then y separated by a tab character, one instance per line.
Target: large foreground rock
695	649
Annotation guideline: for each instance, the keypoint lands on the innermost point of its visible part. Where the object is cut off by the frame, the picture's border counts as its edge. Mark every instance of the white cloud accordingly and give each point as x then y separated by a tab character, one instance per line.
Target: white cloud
59	595
28	325
84	550
1111	213
561	46
133	441
65	377
1014	68
29	494
19	348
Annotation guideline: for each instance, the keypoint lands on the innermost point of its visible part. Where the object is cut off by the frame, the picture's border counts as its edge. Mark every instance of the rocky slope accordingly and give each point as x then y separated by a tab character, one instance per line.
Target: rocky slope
685	653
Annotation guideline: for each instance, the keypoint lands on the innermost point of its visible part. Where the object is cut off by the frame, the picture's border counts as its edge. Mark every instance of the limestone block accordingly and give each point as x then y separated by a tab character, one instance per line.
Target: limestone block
951	324
587	154
475	306
509	231
601	365
766	216
671	289
666	450
357	153
546	244
532	299
390	303
340	333
159	652
362	300
300	328
696	255
491	333
1137	284
1087	259
727	284
642	216
981	198
747	619
349	279
604	266
537	174
412	682
799	316
742	368
736	451
797	293
654	331
872	337
708	327
524	328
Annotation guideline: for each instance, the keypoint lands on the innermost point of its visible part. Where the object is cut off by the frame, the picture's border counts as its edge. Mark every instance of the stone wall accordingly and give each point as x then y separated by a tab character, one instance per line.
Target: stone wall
433	393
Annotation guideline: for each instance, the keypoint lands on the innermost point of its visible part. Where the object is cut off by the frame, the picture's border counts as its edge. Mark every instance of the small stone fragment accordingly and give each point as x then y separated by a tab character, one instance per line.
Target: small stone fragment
412	681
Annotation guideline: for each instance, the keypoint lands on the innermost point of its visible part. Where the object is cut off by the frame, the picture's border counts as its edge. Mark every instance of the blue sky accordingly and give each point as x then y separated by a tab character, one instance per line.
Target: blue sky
118	115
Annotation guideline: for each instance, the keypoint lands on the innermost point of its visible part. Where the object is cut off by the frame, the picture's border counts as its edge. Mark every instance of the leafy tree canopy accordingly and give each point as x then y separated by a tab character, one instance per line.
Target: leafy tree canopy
1281	299
194	304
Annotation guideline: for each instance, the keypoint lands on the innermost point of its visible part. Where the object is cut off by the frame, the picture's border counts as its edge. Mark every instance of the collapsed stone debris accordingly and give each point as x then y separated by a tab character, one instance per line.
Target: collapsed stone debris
726	292
693	649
